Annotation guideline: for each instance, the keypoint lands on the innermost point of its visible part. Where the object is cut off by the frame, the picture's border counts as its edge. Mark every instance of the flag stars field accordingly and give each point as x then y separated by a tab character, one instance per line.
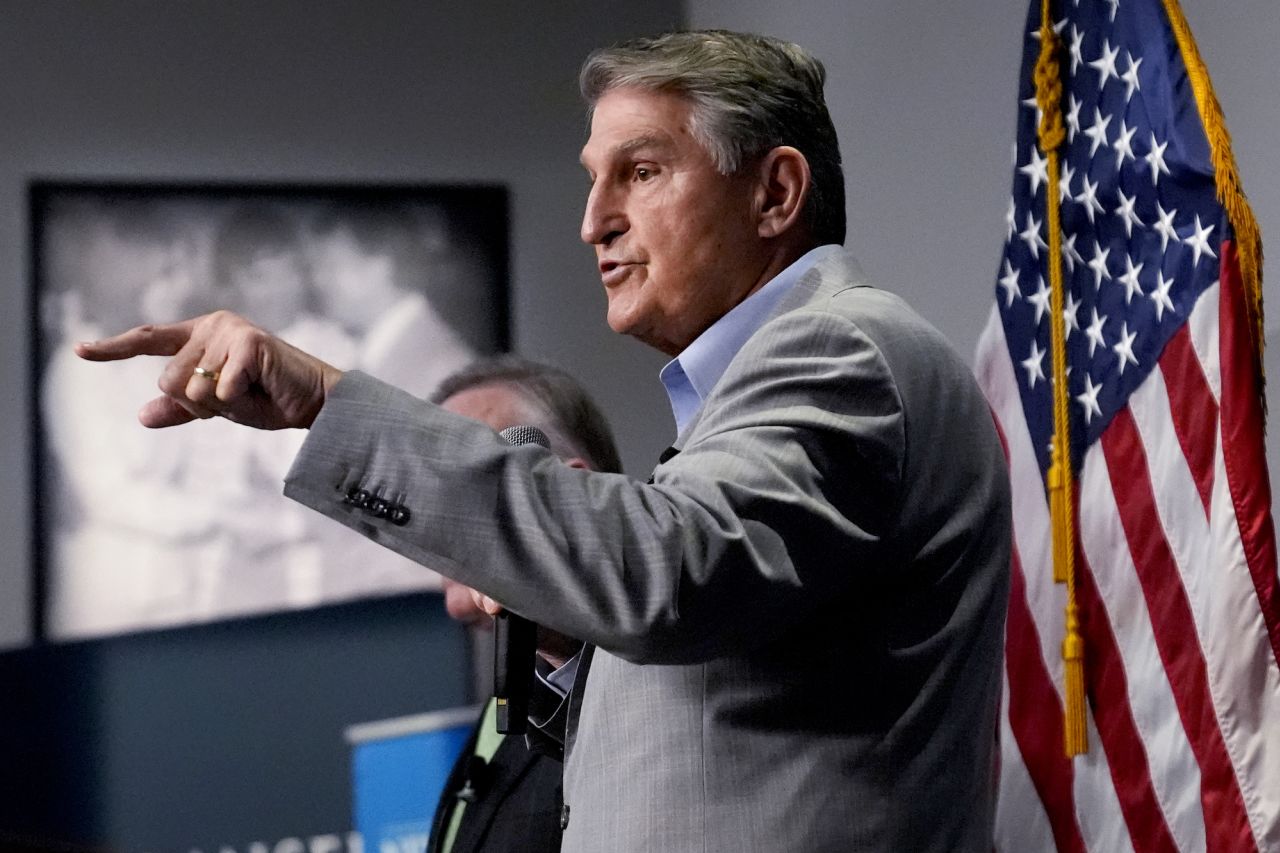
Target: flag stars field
1037	170
1094	331
1088	199
1105	64
1031	236
1130	279
1127	214
1123	348
1034	364
1164	226
1009	281
1101	198
1098	264
1070	254
1160	296
1071	315
1088	400
1123	144
1097	131
1077	42
1199	241
1040	299
1130	76
1064	182
1155	159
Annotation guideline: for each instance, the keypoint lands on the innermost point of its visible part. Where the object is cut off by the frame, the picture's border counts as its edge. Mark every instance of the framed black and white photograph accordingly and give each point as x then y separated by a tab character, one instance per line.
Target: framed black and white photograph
141	529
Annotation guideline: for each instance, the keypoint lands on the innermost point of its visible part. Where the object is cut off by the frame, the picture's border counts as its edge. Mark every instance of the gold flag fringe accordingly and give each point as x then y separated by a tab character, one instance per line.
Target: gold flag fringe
1227	179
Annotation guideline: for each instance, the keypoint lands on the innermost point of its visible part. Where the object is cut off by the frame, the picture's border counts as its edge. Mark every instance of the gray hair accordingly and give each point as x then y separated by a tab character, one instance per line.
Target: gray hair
749	93
573	422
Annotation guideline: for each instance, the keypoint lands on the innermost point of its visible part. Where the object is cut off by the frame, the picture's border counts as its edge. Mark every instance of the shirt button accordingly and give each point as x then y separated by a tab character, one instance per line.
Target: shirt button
564	817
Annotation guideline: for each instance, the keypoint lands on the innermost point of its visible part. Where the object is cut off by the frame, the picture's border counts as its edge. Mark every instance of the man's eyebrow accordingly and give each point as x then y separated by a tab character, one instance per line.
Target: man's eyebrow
648	140
659	141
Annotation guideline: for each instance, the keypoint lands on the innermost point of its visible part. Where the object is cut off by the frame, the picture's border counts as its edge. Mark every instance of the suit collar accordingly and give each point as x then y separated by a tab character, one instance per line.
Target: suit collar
833	272
690	376
829	273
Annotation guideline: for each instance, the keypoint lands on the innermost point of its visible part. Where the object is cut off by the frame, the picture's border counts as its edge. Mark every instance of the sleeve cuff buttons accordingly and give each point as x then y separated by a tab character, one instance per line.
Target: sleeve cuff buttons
397	514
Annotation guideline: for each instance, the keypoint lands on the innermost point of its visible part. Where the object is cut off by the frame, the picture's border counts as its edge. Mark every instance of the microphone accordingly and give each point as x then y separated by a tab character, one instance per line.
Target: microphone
515	639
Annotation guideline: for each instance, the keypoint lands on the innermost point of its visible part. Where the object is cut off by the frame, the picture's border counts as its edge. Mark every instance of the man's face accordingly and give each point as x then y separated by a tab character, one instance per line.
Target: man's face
676	241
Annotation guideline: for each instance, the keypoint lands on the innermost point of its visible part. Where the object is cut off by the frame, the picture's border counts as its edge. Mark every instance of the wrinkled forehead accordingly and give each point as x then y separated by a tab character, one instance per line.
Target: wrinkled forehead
626	122
601	150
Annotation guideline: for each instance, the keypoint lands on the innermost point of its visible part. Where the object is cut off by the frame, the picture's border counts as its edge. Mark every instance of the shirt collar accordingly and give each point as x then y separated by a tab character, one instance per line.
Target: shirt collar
690	376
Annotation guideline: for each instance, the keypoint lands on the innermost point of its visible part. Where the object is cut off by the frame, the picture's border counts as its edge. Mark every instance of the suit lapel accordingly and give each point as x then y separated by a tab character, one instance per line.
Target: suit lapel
501	775
575	698
448	799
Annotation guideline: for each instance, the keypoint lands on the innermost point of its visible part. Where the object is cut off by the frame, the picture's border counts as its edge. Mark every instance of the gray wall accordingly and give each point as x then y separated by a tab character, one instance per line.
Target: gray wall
316	91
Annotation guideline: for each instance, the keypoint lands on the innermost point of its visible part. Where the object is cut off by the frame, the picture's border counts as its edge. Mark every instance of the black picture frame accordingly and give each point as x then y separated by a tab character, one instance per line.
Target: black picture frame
140	530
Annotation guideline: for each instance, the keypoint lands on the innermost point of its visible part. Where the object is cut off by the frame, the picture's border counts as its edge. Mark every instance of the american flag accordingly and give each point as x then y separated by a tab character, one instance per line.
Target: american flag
1176	561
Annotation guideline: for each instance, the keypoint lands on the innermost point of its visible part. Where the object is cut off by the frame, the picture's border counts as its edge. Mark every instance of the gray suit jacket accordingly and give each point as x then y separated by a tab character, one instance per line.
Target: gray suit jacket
799	622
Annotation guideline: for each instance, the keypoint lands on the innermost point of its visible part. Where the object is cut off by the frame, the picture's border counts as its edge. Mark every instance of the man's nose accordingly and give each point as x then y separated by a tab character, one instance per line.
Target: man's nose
603	220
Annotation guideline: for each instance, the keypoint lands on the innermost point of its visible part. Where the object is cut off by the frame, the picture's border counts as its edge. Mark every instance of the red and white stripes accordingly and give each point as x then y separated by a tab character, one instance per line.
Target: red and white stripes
1178	594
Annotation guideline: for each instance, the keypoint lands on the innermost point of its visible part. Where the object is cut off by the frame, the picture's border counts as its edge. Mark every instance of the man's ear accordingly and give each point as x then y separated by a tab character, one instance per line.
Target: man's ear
782	189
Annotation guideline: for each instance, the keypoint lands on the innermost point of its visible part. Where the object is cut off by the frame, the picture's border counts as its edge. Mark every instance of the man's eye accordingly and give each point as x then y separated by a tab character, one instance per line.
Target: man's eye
643	173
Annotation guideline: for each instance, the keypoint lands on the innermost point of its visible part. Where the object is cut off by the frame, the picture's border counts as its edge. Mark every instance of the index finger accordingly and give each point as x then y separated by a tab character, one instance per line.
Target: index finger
150	339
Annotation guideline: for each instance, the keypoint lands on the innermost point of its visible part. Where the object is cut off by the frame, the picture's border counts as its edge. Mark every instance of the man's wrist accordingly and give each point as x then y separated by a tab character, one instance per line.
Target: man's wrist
330	376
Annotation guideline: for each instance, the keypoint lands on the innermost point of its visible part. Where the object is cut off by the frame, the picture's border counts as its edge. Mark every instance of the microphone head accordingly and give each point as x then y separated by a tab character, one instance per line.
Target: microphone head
522	434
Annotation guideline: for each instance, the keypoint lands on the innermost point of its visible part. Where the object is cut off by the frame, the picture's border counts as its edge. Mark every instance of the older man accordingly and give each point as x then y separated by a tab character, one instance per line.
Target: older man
795	628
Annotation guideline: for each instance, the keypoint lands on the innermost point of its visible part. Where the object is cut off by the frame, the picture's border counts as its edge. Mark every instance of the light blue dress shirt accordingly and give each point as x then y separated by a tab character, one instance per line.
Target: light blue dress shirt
690	376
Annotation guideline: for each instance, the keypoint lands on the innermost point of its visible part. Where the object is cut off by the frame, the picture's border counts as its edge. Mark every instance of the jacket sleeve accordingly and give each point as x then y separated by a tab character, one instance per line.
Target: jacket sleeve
781	497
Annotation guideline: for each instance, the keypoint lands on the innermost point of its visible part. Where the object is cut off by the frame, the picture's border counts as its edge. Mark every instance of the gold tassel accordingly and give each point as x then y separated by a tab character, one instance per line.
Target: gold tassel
1075	738
1058	513
1052	132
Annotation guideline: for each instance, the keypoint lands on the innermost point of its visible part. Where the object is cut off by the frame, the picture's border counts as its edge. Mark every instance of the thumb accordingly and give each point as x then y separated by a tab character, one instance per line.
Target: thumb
163	412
